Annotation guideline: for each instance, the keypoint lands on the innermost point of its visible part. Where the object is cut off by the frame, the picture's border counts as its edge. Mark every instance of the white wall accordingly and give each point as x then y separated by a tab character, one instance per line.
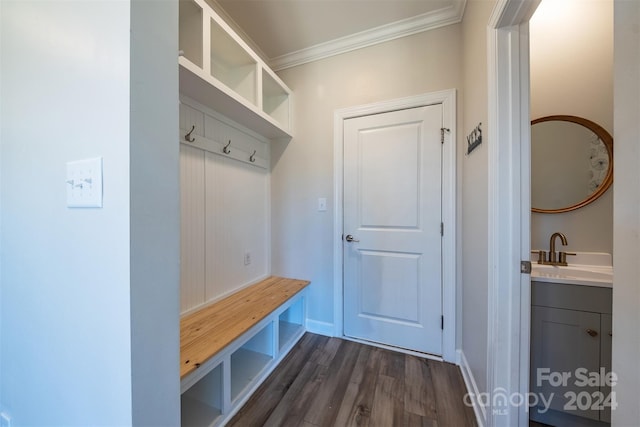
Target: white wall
626	290
89	296
65	272
302	170
474	191
154	217
572	74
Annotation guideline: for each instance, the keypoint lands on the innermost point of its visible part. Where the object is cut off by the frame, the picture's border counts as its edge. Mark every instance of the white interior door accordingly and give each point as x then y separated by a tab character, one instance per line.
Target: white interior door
392	227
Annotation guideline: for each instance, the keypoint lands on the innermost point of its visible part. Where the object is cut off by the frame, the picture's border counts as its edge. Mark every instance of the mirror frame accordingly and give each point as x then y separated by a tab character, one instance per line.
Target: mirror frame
605	137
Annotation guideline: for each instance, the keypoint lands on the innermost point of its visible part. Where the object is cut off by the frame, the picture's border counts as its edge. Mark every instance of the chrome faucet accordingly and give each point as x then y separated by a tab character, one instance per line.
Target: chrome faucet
559	258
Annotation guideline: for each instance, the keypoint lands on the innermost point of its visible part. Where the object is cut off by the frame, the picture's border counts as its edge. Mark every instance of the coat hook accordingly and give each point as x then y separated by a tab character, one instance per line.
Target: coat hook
226	150
188	136
252	158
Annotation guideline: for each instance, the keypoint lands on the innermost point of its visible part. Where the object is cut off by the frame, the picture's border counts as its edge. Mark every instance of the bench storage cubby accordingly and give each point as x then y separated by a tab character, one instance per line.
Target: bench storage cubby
228	348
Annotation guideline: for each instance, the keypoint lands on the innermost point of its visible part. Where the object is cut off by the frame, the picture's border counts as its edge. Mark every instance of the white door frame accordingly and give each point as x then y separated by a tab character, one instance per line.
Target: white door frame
509	209
449	277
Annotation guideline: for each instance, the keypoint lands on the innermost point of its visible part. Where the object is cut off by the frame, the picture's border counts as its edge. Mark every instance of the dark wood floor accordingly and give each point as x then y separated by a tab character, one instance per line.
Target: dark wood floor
333	382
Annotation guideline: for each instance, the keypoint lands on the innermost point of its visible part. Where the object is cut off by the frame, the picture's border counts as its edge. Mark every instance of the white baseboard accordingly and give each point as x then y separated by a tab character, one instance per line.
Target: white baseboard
320	328
472	390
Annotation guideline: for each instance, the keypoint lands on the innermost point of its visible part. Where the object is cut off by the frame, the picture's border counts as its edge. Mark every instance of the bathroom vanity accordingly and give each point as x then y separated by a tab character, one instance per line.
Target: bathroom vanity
571	292
571	335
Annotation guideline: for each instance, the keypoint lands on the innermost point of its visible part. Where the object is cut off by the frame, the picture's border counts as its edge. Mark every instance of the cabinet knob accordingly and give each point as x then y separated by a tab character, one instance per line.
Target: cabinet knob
592	332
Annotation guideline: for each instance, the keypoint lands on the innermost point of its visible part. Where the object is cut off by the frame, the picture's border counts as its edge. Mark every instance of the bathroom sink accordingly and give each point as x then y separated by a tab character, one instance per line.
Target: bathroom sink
576	274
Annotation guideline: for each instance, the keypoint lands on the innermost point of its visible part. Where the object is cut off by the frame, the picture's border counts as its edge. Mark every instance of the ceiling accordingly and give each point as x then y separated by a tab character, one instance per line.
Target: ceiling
292	32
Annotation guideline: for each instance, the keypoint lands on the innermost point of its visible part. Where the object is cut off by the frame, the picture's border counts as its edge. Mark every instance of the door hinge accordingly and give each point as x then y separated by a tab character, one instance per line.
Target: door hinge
525	267
442	131
442	322
442	228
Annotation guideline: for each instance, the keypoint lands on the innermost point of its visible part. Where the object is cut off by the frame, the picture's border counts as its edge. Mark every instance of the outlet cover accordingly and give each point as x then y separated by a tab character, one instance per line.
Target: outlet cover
247	258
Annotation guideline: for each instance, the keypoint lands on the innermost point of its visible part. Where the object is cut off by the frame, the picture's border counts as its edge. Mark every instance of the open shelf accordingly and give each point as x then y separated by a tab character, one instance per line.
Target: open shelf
202	404
250	360
233	65
220	71
290	324
190	34
275	99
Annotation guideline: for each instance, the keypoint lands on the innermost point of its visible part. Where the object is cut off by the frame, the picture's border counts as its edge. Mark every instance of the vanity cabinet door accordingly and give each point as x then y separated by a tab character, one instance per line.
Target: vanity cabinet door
562	342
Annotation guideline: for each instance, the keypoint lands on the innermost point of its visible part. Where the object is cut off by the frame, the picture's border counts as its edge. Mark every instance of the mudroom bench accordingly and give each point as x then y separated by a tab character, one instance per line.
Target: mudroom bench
229	347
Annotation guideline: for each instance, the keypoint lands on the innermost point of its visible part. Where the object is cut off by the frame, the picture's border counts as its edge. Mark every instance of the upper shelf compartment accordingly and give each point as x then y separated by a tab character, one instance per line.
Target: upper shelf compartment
219	70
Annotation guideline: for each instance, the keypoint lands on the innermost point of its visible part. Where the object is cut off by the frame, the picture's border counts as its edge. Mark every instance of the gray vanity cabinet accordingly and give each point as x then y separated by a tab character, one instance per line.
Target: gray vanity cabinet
570	341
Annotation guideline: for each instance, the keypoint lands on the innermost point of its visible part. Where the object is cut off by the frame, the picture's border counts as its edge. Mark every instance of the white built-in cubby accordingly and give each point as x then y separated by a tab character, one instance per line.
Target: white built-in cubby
275	97
290	322
249	360
214	392
219	70
232	105
202	404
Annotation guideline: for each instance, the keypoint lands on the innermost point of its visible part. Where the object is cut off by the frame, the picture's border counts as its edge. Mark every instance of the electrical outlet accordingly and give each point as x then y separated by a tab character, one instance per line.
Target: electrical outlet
247	258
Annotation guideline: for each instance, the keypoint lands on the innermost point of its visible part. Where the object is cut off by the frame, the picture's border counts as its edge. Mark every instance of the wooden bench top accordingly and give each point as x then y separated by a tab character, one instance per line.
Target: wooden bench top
207	331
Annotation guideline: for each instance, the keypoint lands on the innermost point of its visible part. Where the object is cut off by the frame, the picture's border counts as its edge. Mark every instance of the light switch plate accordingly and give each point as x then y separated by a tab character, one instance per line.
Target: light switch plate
322	204
84	183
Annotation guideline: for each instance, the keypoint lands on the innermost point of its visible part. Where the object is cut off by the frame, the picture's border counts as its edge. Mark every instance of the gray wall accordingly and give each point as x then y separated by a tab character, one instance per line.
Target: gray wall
474	192
89	311
154	214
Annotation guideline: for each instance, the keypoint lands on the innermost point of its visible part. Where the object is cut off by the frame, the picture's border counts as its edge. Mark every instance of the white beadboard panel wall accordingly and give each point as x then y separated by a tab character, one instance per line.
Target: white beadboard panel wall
192	227
225	207
237	206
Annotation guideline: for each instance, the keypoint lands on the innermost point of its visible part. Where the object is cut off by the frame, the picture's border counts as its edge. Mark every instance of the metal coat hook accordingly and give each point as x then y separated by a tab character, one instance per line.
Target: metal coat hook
226	150
252	158
188	136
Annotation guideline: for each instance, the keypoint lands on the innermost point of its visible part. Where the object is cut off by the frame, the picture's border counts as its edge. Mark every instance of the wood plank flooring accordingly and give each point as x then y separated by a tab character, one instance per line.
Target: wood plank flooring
333	382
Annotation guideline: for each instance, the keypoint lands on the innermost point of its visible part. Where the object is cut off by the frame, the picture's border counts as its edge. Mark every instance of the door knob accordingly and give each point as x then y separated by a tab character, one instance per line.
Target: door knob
592	332
350	238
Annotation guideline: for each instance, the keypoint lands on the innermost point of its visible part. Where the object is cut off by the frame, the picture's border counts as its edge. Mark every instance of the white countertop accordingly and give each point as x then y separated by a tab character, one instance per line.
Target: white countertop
590	269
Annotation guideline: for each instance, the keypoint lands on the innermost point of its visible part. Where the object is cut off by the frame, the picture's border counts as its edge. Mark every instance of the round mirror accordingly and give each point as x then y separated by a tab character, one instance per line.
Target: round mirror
571	163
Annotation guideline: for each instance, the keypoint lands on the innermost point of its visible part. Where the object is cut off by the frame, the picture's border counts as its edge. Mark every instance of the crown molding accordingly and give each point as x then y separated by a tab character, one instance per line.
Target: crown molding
406	27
